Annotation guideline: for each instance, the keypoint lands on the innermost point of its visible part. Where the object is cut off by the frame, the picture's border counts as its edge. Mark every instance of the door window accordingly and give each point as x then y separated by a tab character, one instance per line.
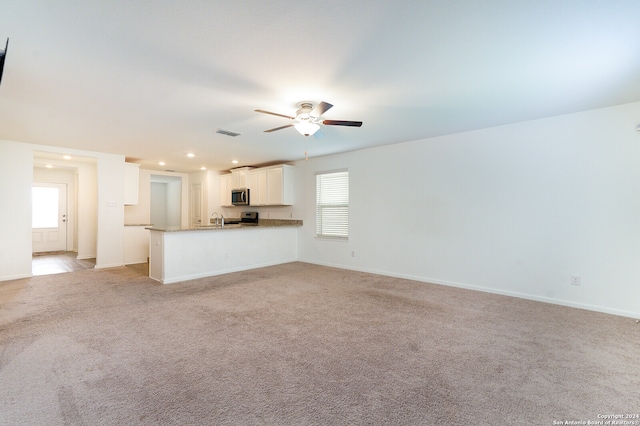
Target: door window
45	207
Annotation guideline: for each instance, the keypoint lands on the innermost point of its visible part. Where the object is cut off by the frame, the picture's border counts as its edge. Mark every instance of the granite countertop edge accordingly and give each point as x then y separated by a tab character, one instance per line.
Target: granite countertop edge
263	223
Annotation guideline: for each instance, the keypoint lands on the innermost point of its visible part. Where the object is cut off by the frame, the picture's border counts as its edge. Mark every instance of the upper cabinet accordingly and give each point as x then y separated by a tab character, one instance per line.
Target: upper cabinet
239	177
131	179
226	185
271	186
252	184
268	186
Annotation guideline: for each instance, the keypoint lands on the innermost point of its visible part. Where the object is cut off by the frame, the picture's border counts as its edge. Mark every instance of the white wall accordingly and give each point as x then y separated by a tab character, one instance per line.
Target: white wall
214	201
110	211
201	178
174	206
87	180
16	178
159	204
140	214
514	210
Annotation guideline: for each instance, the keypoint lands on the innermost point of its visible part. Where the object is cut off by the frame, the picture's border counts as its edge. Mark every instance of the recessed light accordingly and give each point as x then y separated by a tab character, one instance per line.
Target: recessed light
235	161
190	154
162	163
66	157
203	168
49	166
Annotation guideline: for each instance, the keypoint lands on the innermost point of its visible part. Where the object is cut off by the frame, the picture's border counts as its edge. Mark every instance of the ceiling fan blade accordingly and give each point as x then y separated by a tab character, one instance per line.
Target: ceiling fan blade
278	128
274	113
342	123
321	109
3	54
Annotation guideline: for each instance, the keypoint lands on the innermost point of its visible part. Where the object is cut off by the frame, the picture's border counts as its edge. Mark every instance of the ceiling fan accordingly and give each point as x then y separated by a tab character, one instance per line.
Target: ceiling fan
308	118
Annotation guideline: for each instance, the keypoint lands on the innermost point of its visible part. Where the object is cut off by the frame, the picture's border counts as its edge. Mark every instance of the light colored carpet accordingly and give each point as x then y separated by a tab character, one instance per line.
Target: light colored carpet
301	344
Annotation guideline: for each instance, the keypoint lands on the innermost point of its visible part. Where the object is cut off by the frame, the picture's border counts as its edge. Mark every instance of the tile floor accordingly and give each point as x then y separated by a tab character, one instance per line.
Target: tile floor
59	262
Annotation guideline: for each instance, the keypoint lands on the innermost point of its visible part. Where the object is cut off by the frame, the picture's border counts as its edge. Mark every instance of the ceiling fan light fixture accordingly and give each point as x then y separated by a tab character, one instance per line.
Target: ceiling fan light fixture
308	118
307	128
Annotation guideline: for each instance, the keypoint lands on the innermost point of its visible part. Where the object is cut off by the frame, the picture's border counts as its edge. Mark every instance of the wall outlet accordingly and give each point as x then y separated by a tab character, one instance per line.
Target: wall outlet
353	253
575	280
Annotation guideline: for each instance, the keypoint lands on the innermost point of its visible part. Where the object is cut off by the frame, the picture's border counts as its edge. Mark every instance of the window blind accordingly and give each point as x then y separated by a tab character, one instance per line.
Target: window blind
332	204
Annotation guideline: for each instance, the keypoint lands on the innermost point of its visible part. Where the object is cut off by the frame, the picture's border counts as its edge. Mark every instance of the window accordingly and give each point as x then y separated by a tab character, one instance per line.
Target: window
45	207
332	204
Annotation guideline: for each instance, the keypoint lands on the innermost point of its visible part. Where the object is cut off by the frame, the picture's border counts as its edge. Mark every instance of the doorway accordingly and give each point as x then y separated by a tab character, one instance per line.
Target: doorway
76	180
166	201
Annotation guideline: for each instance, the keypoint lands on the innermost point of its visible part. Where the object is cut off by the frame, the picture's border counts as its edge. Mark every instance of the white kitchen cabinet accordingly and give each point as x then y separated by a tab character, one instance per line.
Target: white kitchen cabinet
272	186
252	184
131	179
275	186
225	190
261	194
239	177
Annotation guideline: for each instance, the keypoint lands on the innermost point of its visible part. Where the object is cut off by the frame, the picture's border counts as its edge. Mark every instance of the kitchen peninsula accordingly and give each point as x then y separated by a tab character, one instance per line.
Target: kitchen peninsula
179	254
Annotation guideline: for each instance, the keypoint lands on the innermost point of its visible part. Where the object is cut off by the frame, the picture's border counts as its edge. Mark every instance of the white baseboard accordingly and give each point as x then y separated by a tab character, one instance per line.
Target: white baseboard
15	277
109	265
86	256
137	262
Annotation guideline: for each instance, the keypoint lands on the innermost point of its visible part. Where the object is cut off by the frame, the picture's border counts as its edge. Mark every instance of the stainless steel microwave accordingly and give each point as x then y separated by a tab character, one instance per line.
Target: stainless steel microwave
240	197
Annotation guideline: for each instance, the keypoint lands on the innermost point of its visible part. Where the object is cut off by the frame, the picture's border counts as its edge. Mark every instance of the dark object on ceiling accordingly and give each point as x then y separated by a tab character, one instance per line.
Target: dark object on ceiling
3	55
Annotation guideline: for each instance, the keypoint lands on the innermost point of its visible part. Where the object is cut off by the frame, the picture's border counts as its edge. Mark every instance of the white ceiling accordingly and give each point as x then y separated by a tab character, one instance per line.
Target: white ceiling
153	79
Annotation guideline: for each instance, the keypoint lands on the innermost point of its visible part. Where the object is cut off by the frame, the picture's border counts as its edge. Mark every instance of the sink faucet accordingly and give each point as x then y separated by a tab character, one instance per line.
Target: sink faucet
219	219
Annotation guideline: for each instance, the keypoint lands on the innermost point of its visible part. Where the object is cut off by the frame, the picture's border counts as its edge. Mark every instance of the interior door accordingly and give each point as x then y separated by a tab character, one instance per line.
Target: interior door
196	205
49	223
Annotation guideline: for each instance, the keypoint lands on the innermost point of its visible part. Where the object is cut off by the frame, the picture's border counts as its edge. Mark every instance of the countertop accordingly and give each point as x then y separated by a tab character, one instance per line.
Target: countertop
262	223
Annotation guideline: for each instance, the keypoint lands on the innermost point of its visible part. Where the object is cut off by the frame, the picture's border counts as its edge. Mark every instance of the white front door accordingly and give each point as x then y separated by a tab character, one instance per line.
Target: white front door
49	204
